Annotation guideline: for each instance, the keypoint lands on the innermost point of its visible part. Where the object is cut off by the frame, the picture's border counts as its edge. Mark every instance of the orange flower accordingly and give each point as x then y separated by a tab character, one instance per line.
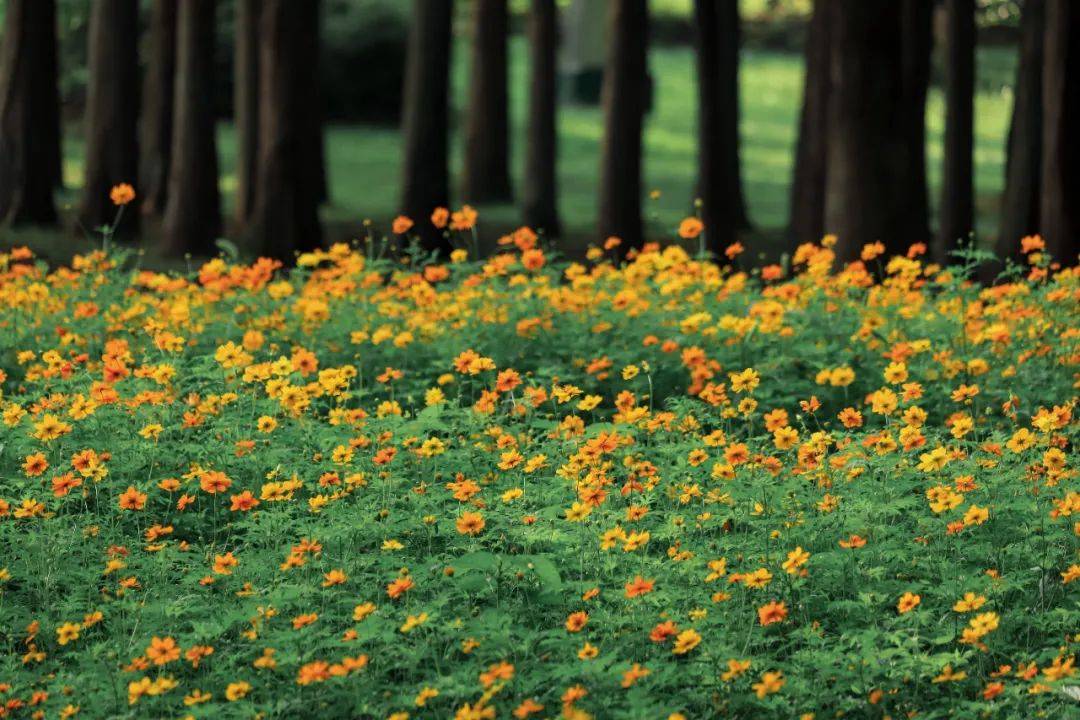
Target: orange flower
132	499
439	217
399	587
402	225
577	621
214	482
908	602
773	612
122	194
162	650
690	228
639	586
470	523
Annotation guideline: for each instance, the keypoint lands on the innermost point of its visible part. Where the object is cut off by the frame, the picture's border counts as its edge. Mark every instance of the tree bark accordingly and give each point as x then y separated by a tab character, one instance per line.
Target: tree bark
719	173
486	176
539	192
912	212
316	152
193	214
246	106
865	146
1023	161
956	208
1059	216
285	219
29	113
623	99
807	220
112	110
157	109
425	118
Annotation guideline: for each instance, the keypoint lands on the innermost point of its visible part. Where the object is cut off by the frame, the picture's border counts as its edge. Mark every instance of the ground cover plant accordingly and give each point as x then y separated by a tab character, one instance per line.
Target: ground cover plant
383	487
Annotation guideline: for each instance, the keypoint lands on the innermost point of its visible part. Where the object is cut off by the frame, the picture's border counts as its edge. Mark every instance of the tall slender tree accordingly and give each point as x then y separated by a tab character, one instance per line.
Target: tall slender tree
246	106
193	213
1023	159
112	110
865	145
29	113
285	219
624	98
956	210
719	172
316	152
539	191
912	211
425	118
157	108
807	220
1059	216
486	176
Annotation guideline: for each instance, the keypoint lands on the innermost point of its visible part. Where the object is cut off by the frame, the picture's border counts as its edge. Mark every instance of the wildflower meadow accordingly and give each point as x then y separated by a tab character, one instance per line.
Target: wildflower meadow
643	485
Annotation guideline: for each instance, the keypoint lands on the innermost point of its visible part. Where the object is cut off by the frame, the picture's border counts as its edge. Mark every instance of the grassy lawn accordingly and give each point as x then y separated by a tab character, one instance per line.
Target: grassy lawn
364	161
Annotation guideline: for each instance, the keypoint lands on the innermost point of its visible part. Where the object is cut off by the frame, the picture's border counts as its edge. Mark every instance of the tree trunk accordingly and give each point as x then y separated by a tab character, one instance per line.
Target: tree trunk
1023	161
539	193
807	220
912	211
193	214
865	144
1059	216
112	110
486	174
157	109
425	118
316	152
956	209
246	106
719	176
29	112
285	219
623	98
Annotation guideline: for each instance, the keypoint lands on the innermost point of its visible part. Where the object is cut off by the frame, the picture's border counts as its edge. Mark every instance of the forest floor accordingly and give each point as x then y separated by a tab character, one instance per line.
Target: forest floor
364	161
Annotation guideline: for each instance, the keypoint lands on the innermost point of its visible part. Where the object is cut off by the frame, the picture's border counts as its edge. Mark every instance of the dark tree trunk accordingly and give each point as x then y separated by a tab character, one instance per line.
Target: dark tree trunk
865	144
719	175
486	173
193	214
285	219
29	113
425	118
956	209
912	211
1023	161
807	221
112	110
1059	217
246	106
624	99
316	152
539	192
157	110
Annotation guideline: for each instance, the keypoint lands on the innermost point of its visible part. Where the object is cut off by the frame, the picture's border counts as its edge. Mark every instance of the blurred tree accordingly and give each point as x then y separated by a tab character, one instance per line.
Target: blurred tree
311	32
861	132
624	98
807	220
1023	160
486	173
956	211
425	118
539	196
719	173
29	113
285	218
157	108
193	212
1059	216
246	106
912	213
112	111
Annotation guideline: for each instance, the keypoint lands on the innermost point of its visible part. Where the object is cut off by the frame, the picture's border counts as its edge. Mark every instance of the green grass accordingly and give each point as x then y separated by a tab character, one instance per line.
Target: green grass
364	162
